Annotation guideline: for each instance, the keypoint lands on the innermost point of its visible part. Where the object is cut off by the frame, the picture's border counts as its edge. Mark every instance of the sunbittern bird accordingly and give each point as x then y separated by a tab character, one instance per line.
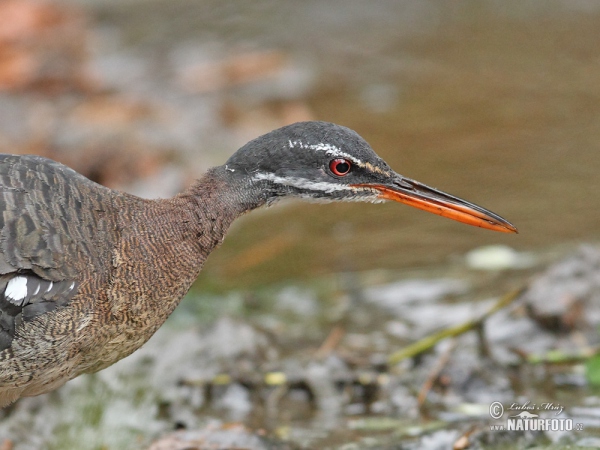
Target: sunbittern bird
88	274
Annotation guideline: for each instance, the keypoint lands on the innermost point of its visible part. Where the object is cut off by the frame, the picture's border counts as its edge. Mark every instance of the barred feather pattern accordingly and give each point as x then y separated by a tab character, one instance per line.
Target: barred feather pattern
117	265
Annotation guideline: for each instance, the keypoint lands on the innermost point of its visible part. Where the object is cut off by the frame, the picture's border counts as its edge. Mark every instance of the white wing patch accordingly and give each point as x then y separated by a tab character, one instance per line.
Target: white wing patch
22	290
16	290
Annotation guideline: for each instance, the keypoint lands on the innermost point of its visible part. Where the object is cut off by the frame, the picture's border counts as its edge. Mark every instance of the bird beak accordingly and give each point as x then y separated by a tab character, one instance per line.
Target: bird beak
413	193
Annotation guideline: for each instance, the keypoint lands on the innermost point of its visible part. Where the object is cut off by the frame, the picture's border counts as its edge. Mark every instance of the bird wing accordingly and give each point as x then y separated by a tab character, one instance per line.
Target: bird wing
51	223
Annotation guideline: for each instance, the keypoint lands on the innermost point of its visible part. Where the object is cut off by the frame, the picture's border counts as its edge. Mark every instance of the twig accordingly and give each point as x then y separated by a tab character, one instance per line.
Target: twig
429	341
332	340
558	356
442	361
463	442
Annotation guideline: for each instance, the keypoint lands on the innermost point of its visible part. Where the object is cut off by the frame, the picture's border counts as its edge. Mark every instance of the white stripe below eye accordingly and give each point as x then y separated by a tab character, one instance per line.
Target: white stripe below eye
362	194
301	183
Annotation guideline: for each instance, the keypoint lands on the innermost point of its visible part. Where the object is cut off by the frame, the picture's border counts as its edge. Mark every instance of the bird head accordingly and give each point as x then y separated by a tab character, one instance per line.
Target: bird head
328	162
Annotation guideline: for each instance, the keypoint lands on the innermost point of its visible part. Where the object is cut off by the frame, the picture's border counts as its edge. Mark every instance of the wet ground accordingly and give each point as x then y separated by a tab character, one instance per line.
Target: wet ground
351	361
289	337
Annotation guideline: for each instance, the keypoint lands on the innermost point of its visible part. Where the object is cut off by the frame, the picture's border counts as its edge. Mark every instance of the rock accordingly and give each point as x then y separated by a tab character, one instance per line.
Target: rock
498	257
567	294
211	437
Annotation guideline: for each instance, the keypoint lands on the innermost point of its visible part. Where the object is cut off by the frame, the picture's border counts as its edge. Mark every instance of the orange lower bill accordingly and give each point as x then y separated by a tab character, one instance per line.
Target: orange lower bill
451	210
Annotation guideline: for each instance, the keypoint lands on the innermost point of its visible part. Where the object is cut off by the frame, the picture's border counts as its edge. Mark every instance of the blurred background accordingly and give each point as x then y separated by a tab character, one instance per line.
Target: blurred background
495	101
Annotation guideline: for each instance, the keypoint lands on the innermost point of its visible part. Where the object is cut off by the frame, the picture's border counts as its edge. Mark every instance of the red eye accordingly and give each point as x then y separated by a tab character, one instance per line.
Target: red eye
340	167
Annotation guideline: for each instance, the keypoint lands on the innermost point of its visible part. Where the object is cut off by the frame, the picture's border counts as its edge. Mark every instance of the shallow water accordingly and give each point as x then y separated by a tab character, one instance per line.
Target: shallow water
496	102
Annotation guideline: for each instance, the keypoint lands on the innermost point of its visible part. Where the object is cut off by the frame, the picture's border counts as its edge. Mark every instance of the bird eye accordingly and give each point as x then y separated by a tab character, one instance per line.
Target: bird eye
340	167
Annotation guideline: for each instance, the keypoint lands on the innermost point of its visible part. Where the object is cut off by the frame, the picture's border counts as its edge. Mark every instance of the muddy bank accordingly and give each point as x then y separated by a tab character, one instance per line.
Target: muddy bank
316	366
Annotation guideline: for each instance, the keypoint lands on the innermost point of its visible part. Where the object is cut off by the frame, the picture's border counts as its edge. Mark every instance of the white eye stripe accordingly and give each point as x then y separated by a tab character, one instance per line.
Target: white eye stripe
335	152
330	150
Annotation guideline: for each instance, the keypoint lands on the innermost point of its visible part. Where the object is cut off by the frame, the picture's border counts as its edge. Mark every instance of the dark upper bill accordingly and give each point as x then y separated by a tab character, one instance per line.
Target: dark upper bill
413	193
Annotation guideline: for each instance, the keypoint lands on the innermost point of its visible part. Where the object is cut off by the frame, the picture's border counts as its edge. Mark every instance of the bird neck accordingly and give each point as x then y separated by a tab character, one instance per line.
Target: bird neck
223	195
183	231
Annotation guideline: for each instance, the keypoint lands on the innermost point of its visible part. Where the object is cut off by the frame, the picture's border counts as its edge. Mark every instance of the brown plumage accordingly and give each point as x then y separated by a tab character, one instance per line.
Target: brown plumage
88	274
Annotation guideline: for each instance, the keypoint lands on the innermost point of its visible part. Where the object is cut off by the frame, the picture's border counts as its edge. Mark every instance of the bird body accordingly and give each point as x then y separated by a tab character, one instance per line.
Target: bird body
131	261
88	274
